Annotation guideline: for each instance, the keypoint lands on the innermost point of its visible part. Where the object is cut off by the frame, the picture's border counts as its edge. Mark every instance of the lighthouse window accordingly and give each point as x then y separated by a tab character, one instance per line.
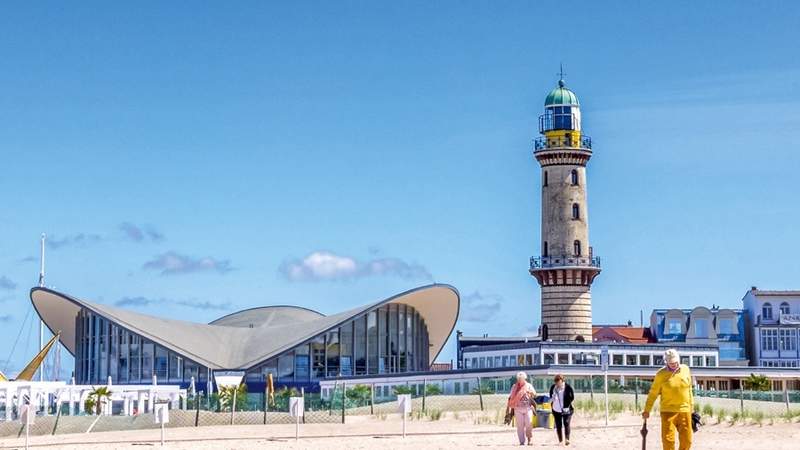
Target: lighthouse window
577	248
576	211
574	177
545	178
544	249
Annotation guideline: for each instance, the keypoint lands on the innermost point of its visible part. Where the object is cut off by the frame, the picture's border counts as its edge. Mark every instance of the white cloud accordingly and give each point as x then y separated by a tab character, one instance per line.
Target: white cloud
328	266
478	307
173	263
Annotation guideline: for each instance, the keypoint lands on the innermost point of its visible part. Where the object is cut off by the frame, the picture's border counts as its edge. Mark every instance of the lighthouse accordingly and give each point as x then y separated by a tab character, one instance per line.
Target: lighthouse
566	266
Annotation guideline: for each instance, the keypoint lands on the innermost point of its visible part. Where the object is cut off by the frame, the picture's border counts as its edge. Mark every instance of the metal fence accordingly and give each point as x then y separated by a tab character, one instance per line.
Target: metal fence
485	398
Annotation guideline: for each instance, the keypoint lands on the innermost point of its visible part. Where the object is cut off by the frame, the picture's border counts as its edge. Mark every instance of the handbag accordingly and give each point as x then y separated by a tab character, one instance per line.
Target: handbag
696	422
509	416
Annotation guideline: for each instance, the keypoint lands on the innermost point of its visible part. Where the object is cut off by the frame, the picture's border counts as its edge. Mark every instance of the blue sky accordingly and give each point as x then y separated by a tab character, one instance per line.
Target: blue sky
192	160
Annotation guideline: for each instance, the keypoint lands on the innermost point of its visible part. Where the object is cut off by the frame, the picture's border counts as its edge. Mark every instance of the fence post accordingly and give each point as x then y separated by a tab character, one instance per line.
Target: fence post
303	394
424	392
266	403
786	394
344	398
741	397
372	400
197	399
591	388
636	395
480	392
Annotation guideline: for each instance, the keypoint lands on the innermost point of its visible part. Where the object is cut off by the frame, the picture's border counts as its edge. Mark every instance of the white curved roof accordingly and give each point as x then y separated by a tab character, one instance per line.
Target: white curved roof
230	342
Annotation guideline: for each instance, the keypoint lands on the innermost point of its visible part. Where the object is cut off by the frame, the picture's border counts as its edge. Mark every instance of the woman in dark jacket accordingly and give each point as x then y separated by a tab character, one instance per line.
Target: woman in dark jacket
561	397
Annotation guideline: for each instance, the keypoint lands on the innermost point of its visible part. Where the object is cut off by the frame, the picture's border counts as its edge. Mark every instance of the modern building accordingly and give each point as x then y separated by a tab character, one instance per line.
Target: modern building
773	327
536	352
718	327
567	265
298	346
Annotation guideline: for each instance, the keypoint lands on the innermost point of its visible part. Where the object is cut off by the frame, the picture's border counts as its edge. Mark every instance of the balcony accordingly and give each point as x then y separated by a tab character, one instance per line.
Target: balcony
565	141
546	262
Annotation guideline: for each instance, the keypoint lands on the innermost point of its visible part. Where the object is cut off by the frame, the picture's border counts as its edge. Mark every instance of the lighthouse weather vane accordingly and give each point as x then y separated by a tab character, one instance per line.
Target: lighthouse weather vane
561	73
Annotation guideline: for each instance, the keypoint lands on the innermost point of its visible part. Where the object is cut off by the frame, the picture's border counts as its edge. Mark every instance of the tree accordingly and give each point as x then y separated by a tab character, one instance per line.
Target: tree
226	395
757	383
96	399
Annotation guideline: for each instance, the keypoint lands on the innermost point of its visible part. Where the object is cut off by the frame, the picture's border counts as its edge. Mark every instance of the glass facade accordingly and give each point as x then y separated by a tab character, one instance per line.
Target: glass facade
392	338
104	350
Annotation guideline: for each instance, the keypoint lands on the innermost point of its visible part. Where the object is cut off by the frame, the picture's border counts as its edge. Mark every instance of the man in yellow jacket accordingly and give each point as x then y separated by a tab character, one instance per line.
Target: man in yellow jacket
673	384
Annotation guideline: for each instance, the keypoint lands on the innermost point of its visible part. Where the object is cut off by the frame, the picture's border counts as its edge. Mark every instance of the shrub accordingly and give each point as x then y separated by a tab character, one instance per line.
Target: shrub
433	389
757	383
708	410
401	390
722	414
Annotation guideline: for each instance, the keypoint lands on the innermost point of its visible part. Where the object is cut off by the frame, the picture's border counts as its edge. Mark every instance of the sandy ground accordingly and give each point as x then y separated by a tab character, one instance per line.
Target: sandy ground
449	433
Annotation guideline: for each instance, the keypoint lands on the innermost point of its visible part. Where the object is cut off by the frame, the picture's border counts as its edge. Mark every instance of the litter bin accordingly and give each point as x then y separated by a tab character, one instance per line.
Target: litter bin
544	419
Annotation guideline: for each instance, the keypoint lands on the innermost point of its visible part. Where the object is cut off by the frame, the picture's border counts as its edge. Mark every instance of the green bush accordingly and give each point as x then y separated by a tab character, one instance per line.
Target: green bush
708	410
722	414
359	395
433	389
402	390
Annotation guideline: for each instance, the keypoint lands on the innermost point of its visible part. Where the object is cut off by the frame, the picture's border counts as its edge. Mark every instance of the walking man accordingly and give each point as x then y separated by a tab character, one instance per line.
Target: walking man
673	384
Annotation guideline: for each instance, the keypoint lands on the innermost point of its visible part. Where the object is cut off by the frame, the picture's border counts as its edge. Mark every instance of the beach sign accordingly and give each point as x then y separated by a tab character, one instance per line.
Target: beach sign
404	403
296	406
161	413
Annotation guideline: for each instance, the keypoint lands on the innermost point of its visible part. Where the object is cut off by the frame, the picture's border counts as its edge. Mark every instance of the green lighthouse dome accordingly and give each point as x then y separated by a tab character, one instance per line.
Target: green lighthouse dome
561	96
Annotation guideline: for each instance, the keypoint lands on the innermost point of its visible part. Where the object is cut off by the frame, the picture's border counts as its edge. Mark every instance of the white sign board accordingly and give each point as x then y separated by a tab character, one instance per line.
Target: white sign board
404	403
604	357
228	379
27	415
296	406
161	413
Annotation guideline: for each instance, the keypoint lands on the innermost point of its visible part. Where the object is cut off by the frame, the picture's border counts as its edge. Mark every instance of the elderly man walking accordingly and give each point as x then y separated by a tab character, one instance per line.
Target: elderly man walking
673	384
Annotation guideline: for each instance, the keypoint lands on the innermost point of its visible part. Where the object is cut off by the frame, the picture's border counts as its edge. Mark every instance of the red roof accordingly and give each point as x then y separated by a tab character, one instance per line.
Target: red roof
633	335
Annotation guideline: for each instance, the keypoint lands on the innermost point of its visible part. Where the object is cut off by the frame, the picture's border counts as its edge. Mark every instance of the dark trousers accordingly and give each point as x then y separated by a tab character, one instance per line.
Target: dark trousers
562	421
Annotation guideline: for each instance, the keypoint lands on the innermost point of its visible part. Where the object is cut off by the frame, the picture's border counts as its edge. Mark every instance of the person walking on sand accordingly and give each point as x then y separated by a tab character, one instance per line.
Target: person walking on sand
673	384
561	397
522	400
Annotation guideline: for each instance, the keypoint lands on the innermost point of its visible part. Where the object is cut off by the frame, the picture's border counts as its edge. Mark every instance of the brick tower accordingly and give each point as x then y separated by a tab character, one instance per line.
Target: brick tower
567	266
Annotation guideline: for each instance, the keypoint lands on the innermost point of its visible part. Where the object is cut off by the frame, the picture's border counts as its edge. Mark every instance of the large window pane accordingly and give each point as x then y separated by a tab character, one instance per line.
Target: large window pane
372	342
401	343
346	349
332	353
383	340
286	367
113	350
175	370
392	366
123	356
318	357
135	359
301	363
360	348
161	363
190	369
147	361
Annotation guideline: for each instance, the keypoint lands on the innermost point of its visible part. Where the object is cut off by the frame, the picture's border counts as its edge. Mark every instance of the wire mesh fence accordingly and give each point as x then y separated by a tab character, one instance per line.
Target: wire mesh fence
483	397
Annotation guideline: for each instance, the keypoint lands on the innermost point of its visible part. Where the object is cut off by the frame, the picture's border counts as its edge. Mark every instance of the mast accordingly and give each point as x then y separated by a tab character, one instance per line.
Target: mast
41	322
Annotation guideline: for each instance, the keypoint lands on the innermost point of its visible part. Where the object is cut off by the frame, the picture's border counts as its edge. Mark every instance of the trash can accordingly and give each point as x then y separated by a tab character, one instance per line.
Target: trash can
544	419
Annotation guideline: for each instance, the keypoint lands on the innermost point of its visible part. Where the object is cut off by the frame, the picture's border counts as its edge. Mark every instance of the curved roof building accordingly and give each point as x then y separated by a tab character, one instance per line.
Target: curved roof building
403	333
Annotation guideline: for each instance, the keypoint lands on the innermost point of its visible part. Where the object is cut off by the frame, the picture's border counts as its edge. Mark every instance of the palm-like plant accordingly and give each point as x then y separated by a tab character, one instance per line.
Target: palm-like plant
226	395
757	383
96	399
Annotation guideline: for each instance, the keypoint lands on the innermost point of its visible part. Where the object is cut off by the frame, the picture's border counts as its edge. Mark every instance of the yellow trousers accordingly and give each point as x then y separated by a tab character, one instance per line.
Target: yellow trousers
680	422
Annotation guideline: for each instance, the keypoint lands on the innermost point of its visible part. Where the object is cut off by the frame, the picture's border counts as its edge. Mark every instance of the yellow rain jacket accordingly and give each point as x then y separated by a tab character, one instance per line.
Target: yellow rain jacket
675	390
